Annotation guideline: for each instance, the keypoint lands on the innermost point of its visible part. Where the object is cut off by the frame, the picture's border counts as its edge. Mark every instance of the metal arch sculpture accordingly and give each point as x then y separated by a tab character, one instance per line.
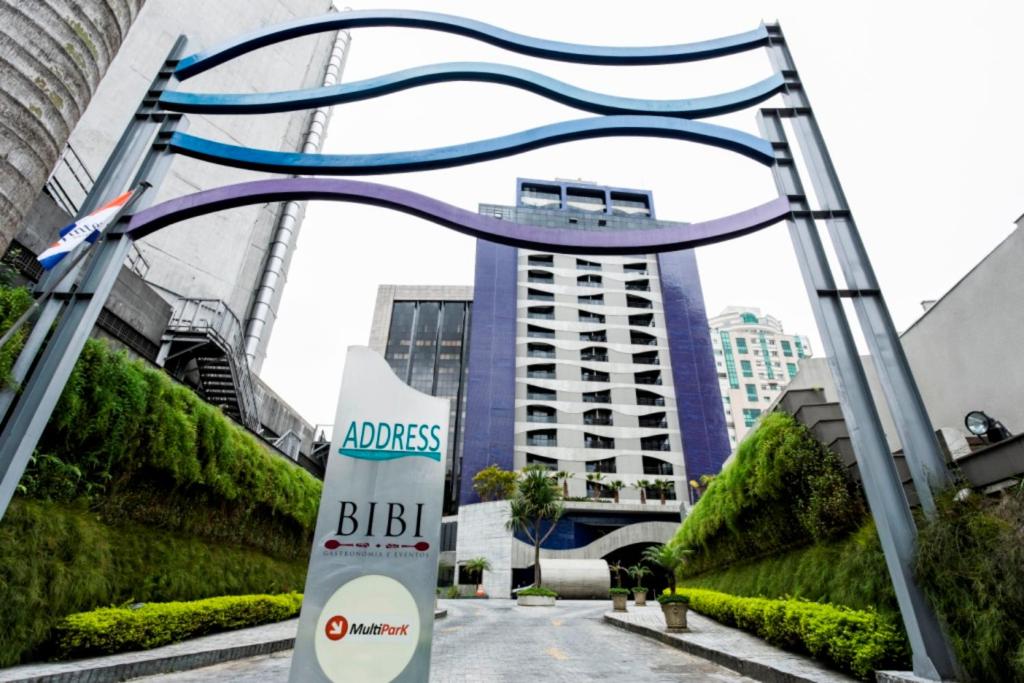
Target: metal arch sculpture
671	237
28	415
480	72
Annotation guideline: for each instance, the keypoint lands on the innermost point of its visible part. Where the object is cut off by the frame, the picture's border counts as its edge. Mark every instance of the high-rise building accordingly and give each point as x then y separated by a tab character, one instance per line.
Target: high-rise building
423	333
600	366
755	360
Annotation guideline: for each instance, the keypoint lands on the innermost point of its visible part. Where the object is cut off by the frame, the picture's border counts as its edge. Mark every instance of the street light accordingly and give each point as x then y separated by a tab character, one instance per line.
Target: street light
990	429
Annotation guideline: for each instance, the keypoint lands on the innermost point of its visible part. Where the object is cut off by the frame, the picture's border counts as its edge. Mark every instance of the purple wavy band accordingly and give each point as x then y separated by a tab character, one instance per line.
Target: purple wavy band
666	238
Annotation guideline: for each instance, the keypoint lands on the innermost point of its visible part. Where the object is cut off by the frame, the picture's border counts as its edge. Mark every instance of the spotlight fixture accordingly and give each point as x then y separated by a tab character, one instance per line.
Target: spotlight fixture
990	429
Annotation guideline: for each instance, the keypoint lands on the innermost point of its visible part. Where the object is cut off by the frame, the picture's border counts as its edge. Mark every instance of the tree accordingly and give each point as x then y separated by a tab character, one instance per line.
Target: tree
642	485
637	572
662	486
476	567
616	568
564	477
537	500
616	486
669	557
494	483
597	479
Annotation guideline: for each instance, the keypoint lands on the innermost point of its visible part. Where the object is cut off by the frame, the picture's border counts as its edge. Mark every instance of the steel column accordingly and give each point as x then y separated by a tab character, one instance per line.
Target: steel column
30	414
887	500
920	447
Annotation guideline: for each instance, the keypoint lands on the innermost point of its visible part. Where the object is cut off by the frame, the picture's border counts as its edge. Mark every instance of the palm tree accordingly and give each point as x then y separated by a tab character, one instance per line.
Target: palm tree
616	486
564	477
616	568
642	485
662	486
669	557
597	479
637	572
537	499
476	567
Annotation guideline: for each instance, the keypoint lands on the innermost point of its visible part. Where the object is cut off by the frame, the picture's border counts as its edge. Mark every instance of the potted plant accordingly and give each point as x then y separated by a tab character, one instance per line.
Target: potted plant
674	606
536	596
476	567
642	485
619	597
597	481
564	477
616	568
537	500
615	486
637	572
663	487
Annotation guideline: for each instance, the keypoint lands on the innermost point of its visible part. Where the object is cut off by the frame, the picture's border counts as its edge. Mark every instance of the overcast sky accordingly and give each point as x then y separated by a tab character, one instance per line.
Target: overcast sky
920	103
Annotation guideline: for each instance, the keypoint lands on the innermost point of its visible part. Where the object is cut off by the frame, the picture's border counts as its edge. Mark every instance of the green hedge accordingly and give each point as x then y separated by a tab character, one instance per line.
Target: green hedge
119	629
853	640
849	572
55	561
970	564
782	489
13	302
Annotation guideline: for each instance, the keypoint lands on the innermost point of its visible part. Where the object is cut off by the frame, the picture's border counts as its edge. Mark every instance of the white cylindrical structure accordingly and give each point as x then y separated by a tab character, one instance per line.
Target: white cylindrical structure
576	579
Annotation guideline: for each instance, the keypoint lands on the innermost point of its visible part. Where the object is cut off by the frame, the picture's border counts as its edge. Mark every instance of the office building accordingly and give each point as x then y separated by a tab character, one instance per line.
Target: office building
755	360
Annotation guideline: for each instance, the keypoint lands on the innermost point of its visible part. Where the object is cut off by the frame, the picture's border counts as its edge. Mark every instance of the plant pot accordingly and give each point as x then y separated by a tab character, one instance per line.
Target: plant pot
619	602
675	616
640	598
535	601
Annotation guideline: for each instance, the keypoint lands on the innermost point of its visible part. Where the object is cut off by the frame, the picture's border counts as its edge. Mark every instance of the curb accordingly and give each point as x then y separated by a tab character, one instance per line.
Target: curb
757	670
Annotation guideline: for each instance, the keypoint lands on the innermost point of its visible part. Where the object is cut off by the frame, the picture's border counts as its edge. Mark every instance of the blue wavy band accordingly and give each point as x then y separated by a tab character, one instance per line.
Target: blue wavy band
598	103
737	141
515	42
369	454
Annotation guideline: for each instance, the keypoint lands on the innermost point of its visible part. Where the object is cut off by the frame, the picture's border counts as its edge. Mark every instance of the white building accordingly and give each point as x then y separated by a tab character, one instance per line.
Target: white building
755	360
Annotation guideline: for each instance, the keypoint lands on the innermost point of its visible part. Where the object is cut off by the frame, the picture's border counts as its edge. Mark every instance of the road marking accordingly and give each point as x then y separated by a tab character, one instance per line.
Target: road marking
555	653
450	629
556	622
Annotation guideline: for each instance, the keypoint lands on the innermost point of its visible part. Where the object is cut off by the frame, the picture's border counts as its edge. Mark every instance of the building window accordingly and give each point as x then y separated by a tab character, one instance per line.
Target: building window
541	371
635	268
655	443
748	370
604	396
605	466
787	349
539	295
541	414
633	301
541	260
646	358
791	369
542	437
588	317
541	277
642	338
730	362
541	196
541	312
538	350
591	299
589	375
584	199
595	336
649	398
594	354
539	332
598	416
654	420
748	318
589	281
638	286
630	204
541	461
647	377
741	345
540	393
596	441
642	320
750	416
657	466
583	264
752	392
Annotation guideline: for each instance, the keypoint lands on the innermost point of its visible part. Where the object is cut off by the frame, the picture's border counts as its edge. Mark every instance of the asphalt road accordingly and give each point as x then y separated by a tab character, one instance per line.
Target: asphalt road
496	640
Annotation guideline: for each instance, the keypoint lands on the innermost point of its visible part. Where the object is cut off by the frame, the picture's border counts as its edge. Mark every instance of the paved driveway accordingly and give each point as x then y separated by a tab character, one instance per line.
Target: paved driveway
496	640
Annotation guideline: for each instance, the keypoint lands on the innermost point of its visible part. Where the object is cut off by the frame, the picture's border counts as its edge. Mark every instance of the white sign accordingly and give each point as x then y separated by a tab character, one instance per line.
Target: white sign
368	609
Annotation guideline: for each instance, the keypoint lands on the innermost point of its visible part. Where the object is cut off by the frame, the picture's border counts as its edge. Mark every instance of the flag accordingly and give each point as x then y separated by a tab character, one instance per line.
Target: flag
85	229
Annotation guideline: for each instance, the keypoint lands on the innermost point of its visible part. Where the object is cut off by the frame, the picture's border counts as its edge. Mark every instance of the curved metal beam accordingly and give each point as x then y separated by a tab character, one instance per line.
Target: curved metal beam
271	161
670	237
478	30
482	72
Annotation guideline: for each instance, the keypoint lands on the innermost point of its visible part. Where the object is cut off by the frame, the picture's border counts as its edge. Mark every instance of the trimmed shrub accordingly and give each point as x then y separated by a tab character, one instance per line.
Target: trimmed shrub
539	591
849	572
110	630
13	302
781	490
857	641
969	564
55	561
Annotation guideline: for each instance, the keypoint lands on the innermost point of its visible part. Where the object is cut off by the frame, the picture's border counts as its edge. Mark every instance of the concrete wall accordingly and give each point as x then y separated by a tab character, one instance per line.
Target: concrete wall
52	55
482	533
218	256
964	351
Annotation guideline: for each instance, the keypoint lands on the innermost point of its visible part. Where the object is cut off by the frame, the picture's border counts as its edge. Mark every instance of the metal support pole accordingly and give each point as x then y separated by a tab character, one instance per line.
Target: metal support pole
920	446
887	500
31	412
113	178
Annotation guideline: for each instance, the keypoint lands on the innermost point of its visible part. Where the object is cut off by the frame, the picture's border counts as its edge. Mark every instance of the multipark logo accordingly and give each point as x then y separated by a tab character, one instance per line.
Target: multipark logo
390	440
337	627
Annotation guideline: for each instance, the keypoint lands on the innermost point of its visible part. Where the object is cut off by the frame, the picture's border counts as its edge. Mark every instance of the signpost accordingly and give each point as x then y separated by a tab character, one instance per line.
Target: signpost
368	610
